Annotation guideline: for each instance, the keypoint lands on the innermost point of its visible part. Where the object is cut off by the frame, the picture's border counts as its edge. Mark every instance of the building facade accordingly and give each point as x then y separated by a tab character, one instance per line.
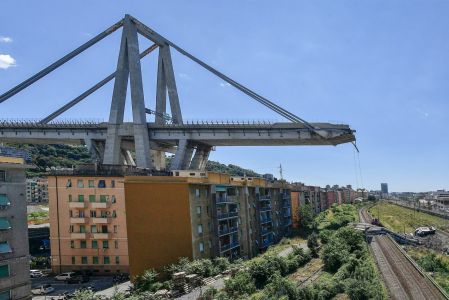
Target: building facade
384	188
88	224
132	223
37	190
14	256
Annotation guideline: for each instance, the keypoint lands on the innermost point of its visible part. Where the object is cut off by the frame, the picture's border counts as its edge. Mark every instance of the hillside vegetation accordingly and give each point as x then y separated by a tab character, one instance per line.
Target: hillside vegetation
47	156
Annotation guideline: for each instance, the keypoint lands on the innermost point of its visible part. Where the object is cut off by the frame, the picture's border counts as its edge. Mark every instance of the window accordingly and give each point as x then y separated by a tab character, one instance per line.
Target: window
93	214
106	260
207	209
91	198
101	184
91	183
116	244
103	198
95	260
82	229
71	228
114	214
70	198
84	260
206	193
4	271
94	244
113	199
198	210
6	295
200	229
72	244
93	228
113	183
115	228
197	193
80	198
201	247
69	183
80	183
117	260
105	244
73	260
70	214
83	244
104	228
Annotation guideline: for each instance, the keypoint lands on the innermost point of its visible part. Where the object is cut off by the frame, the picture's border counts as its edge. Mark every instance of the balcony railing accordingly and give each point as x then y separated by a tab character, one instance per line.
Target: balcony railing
229	246
78	235
286	197
226	199
265	208
100	235
265	231
265	220
77	220
77	204
227	215
101	220
264	198
266	243
227	231
99	204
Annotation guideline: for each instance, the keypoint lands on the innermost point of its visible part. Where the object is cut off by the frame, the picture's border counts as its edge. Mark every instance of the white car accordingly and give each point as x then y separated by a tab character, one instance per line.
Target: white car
43	290
64	276
36	274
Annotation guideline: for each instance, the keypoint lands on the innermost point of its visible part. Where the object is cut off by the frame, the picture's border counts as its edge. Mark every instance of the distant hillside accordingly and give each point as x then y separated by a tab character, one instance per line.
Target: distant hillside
44	156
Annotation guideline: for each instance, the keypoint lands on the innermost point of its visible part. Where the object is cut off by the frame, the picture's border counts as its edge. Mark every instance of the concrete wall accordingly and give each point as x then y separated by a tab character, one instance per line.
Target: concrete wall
159	226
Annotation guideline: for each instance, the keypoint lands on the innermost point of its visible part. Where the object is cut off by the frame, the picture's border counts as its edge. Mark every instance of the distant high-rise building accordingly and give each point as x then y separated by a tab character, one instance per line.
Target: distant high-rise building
384	188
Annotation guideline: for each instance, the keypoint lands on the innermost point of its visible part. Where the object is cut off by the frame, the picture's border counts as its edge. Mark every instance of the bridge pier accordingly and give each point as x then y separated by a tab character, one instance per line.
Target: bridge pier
200	158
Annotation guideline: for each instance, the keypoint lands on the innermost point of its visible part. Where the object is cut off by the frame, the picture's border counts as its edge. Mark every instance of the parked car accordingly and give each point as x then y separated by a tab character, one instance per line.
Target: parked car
78	278
36	274
43	289
64	276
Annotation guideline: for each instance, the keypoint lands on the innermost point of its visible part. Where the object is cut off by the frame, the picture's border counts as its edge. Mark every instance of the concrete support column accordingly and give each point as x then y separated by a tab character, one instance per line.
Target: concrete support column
158	158
183	156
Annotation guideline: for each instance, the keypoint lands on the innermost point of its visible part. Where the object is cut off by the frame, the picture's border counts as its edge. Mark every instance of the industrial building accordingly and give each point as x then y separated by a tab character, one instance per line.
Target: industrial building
14	256
151	221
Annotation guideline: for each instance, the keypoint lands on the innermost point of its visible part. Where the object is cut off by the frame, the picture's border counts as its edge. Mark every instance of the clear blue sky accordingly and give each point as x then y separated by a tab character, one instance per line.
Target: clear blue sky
381	66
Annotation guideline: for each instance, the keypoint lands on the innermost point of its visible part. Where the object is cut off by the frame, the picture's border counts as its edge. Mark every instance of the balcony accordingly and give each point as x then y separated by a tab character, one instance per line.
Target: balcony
225	199
99	204
78	235
101	220
227	231
228	215
265	231
287	223
265	208
100	235
77	204
264	198
286	197
265	220
77	220
266	243
229	246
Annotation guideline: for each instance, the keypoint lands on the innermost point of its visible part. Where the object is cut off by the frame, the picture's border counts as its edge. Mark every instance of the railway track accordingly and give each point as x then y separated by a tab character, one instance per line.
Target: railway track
402	277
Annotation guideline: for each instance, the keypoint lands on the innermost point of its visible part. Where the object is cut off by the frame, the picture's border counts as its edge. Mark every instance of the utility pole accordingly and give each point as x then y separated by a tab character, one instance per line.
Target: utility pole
280	172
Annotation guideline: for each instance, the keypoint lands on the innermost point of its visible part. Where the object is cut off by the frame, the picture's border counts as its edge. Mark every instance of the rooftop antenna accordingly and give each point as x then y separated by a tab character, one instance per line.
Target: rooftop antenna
280	172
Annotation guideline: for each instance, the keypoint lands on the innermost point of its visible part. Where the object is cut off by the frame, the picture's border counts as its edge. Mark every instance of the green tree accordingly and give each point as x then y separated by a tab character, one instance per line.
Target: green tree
312	243
306	216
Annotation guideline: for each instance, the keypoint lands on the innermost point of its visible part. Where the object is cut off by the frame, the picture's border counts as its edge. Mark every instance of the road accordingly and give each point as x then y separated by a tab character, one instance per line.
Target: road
98	283
401	276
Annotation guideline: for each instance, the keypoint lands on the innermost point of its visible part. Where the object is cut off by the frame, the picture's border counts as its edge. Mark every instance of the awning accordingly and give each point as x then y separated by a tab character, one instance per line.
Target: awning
5	248
4	201
4	224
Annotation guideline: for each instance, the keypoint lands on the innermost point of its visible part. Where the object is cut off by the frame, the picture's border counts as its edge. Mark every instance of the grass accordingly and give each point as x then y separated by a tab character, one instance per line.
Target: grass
38	217
441	276
400	219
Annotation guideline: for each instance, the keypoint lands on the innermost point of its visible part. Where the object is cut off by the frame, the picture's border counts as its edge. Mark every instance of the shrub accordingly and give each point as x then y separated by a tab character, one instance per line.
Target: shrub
313	245
239	285
280	288
148	281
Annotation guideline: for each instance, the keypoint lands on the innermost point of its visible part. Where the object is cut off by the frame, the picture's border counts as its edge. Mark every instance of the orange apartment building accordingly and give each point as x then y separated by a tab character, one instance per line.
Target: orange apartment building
88	224
157	219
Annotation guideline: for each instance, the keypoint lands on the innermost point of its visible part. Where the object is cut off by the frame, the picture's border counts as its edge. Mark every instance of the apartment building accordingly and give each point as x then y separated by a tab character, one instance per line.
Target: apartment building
14	256
133	222
37	190
87	222
203	215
